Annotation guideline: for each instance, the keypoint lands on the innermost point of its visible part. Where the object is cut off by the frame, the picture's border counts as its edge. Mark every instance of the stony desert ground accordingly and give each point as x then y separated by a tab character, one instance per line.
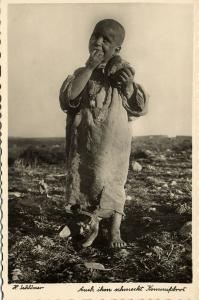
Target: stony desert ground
156	226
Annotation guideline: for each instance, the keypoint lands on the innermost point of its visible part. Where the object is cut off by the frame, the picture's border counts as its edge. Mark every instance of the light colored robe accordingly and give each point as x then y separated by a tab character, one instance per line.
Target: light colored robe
98	142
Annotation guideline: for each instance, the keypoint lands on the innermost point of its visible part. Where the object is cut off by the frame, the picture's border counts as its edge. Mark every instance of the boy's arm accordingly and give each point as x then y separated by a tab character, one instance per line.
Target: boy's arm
73	86
80	82
135	98
137	104
71	90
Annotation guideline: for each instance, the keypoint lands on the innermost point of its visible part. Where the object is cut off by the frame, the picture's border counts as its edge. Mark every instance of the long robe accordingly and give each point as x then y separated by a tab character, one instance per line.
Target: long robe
98	141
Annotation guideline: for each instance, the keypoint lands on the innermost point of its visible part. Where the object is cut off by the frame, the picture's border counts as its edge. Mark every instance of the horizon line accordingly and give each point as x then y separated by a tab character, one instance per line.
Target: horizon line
63	137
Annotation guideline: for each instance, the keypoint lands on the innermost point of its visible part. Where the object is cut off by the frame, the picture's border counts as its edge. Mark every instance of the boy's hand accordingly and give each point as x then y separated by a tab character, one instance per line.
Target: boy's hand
125	76
124	79
96	57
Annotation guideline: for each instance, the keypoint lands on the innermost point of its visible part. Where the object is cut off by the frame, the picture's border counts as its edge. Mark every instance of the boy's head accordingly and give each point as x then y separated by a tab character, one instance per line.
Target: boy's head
107	36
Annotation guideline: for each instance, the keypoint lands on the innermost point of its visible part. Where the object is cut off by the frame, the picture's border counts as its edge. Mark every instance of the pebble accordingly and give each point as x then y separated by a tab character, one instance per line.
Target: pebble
15	194
165	185
149	154
151	167
65	232
161	158
124	252
173	183
172	195
152	209
129	198
136	166
179	192
154	180
95	266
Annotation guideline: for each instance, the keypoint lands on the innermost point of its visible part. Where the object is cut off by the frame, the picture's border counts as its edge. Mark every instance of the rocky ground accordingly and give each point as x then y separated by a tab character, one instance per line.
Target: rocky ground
157	222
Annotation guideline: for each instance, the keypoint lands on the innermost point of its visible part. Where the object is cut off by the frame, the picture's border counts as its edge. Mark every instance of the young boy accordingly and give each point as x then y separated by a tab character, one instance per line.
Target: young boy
98	130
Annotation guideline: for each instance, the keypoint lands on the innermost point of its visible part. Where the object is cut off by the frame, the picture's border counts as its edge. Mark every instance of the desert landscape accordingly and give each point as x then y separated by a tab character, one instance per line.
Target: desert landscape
157	223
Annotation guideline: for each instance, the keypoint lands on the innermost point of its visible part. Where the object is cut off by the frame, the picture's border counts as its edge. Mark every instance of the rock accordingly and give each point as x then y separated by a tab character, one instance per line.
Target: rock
150	167
43	187
165	185
186	230
15	195
60	176
65	232
157	182
154	180
143	154
40	263
161	157
152	209
179	192
172	195
95	266
16	273
129	198
124	252
173	183
149	152
136	166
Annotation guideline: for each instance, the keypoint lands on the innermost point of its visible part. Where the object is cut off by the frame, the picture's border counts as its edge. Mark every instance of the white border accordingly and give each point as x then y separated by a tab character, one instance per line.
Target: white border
69	291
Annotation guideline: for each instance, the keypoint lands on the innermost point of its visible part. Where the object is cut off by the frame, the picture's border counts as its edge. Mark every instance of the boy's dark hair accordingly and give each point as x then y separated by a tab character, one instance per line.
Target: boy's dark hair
114	25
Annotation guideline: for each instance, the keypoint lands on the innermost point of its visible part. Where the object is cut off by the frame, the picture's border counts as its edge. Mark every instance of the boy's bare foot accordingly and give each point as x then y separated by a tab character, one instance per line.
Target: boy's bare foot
116	241
93	232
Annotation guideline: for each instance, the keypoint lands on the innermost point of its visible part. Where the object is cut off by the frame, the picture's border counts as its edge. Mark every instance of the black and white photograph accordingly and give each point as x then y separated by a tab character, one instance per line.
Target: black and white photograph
100	127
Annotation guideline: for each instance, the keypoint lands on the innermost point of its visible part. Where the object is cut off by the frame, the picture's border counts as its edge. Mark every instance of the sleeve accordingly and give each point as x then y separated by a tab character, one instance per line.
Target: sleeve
137	105
67	104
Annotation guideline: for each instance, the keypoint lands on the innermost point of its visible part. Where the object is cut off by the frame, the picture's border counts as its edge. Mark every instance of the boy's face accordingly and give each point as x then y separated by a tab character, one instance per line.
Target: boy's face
105	39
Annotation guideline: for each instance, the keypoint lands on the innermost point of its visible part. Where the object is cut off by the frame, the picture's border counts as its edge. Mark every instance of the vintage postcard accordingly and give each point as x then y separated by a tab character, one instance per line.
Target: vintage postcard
99	137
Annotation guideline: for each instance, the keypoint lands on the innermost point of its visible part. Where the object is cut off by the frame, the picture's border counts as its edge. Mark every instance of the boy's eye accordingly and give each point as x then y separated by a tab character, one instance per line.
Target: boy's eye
106	40
95	37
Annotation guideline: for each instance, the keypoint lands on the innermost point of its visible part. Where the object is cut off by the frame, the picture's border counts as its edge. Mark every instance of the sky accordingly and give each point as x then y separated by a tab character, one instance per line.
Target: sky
47	42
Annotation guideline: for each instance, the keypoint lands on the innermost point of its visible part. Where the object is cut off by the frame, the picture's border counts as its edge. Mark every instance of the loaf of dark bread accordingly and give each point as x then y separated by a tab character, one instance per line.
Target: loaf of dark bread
113	66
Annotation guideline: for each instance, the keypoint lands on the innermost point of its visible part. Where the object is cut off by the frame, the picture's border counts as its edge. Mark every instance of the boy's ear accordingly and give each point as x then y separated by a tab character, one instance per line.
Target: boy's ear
117	49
